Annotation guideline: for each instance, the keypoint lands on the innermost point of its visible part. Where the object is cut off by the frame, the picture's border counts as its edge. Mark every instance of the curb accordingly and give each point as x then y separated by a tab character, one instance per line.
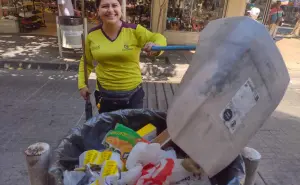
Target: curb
17	64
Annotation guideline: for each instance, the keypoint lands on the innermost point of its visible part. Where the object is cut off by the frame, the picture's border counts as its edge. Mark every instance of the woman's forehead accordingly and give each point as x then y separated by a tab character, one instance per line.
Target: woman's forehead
109	2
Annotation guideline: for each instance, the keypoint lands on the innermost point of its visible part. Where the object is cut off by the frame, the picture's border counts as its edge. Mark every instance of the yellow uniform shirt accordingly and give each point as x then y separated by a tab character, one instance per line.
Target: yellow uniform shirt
118	60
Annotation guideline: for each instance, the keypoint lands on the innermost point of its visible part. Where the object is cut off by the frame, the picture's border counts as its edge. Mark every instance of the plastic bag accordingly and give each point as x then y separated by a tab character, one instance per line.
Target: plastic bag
94	157
131	176
143	153
179	174
72	177
234	174
89	136
157	174
109	174
170	171
122	139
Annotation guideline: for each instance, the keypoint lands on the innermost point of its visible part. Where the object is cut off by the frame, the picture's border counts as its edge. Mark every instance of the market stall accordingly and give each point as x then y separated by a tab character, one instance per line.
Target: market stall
22	16
192	15
185	18
139	12
31	15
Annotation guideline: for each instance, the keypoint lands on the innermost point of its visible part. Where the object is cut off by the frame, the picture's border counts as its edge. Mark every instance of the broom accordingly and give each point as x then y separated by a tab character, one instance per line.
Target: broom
88	104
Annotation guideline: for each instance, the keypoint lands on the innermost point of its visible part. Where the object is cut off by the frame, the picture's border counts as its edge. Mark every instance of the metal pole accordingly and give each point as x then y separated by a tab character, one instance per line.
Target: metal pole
37	159
1	11
124	9
58	33
85	27
82	9
251	158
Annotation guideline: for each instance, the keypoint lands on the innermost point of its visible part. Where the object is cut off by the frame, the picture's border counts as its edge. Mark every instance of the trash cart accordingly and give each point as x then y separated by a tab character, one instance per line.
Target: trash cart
89	136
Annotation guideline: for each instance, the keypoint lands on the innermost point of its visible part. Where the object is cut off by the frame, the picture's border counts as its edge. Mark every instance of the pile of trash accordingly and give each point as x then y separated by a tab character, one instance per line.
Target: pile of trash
117	148
129	158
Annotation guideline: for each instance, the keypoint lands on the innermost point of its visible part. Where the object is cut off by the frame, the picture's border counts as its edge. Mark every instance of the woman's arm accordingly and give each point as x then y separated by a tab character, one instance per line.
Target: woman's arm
89	60
147	38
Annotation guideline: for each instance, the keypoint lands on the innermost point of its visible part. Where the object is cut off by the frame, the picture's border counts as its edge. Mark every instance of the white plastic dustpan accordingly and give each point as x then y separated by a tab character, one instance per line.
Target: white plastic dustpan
235	81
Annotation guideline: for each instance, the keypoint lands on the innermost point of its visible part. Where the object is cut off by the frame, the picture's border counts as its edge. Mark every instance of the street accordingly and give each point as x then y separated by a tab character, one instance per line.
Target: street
35	106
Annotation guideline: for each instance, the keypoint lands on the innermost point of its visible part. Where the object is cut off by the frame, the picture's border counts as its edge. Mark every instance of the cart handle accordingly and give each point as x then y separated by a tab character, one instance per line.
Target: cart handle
173	48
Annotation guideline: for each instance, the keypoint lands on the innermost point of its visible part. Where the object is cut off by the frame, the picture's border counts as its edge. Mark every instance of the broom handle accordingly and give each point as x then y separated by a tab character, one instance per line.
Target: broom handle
173	48
86	80
84	61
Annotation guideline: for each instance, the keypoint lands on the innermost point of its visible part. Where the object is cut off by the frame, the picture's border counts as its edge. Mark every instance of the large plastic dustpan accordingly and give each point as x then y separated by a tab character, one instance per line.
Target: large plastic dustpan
235	81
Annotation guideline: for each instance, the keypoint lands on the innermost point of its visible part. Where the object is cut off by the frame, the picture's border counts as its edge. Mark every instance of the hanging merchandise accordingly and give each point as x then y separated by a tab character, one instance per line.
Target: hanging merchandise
9	9
51	7
193	15
139	12
8	19
31	15
90	11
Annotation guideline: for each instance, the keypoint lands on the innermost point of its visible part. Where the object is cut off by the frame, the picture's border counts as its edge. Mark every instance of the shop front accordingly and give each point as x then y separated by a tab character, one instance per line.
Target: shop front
182	20
28	16
179	20
134	11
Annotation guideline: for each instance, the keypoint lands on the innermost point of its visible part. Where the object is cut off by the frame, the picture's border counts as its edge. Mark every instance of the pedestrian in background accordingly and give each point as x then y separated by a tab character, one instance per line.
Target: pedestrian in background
275	18
116	46
296	29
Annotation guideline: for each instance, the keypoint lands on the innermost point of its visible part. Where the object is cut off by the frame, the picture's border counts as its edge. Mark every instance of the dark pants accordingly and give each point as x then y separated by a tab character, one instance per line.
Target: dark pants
135	102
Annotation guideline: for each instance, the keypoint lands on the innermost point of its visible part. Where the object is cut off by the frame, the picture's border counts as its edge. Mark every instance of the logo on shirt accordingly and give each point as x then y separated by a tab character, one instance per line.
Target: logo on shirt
96	47
126	47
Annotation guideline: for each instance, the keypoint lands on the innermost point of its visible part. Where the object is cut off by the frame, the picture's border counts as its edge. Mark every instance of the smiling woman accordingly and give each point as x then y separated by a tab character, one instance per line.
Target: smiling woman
116	46
104	10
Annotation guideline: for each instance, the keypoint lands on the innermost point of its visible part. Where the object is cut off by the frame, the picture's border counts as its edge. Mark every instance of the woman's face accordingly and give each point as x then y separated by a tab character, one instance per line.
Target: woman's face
109	11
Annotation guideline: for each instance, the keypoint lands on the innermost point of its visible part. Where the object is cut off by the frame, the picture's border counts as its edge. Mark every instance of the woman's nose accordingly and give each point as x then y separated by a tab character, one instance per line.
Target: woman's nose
110	9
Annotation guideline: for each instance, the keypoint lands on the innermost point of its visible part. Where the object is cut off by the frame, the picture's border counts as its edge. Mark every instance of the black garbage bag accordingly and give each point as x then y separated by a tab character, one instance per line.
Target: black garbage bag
89	136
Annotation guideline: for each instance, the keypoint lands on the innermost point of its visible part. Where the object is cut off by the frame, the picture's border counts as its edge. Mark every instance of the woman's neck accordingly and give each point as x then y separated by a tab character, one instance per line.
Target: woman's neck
112	29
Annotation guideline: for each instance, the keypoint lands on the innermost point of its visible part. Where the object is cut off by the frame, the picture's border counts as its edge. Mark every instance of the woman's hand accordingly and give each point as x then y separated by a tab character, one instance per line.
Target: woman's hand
147	49
85	92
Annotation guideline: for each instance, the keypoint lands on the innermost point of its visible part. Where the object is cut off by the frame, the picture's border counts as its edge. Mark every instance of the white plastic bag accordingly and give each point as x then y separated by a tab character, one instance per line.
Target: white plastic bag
157	174
170	154
143	153
170	172
72	177
182	177
130	177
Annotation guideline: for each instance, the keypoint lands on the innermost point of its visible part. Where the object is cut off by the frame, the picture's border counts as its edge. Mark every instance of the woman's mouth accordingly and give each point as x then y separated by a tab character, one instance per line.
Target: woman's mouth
111	16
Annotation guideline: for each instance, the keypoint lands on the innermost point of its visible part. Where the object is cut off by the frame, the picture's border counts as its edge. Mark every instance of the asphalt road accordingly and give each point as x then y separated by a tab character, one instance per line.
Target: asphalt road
36	106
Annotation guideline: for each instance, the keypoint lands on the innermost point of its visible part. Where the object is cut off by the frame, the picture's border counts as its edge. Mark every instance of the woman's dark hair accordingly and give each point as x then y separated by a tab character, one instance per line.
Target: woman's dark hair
99	1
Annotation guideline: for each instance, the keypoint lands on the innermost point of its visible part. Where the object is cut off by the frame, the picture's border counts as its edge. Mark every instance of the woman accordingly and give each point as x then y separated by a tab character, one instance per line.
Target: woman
296	29
116	47
275	19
